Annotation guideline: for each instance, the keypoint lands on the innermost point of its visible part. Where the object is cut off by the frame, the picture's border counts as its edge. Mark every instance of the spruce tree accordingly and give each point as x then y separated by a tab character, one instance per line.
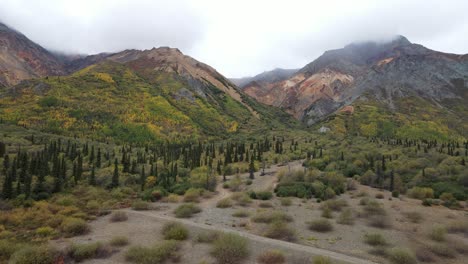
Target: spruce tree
115	177
92	176
98	158
142	177
251	168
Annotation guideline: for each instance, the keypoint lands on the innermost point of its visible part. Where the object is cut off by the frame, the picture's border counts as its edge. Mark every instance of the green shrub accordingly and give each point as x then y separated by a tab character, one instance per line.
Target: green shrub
270	216
414	217
442	250
427	202
271	257
320	225
74	226
375	239
230	249
155	254
346	217
119	241
280	230
264	195
192	195
140	205
119	216
421	193
174	231
401	256
321	260
207	237
438	233
45	231
241	213
395	194
335	205
186	210
285	201
7	248
80	252
224	203
34	254
327	212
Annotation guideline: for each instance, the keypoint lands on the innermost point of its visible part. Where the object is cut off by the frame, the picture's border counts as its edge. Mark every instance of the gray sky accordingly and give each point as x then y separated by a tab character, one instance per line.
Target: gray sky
241	37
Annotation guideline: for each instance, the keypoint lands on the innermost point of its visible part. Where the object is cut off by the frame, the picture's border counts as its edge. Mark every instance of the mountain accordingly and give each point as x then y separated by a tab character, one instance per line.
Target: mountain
134	96
275	75
388	75
20	58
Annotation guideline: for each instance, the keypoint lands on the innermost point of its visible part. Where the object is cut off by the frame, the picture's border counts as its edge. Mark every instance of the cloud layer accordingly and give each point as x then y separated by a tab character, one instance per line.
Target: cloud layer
239	38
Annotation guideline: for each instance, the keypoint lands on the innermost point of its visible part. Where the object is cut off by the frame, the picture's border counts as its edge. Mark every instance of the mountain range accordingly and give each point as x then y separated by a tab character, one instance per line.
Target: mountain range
133	95
392	88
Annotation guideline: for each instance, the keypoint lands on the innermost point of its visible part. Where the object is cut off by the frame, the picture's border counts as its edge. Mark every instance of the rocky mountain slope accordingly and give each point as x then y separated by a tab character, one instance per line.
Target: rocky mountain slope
20	58
275	75
385	72
131	96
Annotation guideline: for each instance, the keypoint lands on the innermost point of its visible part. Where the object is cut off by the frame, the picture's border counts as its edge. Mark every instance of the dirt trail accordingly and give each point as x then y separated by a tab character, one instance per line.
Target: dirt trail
258	239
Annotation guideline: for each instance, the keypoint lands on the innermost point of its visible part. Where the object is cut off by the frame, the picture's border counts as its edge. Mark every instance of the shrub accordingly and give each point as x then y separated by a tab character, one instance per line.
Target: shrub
327	212
421	193
224	203
172	198
380	196
174	231
74	226
186	210
140	205
321	260
34	254
372	207
414	217
7	248
155	254
442	250
80	252
401	256
285	201
271	257
280	230
395	194
192	195
458	227
242	199
380	221
438	233
119	216
424	255
264	195
320	225
119	241
45	231
230	249
241	213
207	237
270	216
427	202
346	217
375	239
335	205
265	205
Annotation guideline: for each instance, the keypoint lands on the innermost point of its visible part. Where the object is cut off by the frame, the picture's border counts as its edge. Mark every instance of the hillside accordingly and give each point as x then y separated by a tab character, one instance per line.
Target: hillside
138	96
390	75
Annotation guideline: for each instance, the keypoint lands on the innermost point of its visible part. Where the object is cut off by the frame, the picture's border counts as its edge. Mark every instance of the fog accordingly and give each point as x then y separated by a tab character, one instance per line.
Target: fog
238	38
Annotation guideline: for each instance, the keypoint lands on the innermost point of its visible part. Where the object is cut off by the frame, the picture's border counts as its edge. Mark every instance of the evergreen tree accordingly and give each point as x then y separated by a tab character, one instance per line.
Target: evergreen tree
115	177
92	176
2	149
251	168
98	158
142	177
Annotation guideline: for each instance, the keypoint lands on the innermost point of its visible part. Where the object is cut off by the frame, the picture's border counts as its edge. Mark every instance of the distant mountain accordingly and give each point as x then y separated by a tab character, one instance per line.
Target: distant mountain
386	73
20	58
133	96
266	77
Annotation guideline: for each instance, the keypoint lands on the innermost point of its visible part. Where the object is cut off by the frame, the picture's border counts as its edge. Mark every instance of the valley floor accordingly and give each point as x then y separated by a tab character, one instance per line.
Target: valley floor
344	244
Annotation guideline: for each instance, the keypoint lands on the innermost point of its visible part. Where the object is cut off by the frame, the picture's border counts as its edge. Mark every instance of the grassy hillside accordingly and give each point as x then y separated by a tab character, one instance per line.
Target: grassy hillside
110	101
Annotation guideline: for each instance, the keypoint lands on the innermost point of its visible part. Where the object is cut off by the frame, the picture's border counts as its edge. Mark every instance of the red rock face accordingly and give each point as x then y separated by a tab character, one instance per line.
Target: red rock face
21	59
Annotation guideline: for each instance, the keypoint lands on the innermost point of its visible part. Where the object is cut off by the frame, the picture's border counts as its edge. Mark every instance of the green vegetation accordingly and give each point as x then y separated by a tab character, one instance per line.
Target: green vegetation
119	241
375	239
321	260
158	253
401	256
186	210
174	231
230	249
34	254
320	225
271	216
271	257
80	252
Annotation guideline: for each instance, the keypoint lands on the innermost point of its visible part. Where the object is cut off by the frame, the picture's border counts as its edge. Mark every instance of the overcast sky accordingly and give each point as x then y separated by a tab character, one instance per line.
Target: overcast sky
241	37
